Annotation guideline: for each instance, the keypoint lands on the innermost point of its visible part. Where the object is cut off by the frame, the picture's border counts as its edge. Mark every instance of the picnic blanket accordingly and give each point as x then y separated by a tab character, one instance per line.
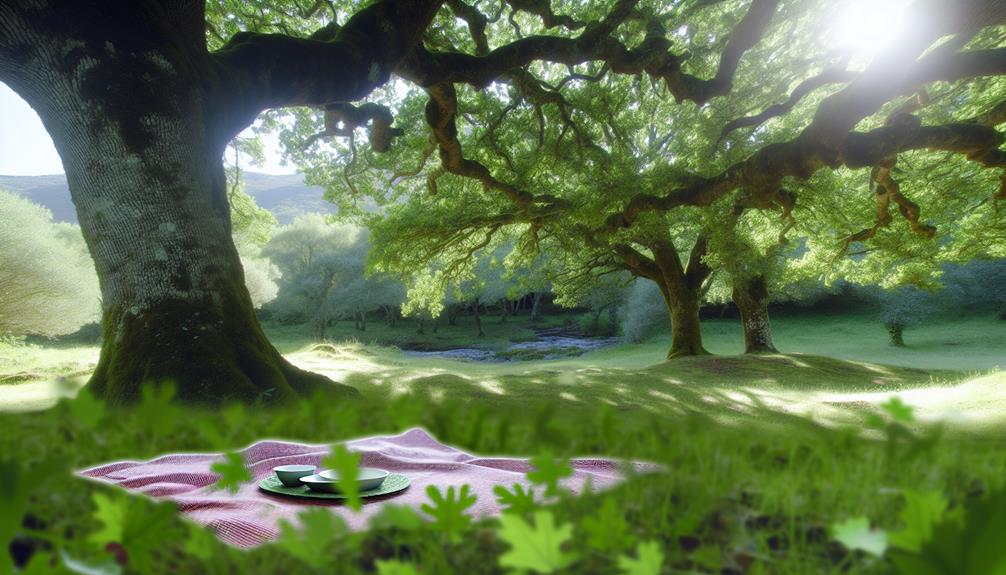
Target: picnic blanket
251	517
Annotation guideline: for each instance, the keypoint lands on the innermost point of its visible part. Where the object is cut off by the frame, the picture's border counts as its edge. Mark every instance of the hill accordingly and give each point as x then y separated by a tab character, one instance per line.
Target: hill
286	196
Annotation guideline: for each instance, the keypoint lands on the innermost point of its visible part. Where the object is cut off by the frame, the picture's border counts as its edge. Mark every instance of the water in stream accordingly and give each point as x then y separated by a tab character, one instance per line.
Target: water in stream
550	344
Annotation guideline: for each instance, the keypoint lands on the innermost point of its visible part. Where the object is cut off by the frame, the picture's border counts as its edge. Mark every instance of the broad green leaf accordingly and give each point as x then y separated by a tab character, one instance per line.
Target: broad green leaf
87	409
140	527
311	543
13	503
232	472
347	465
856	534
395	568
898	410
548	471
607	530
968	543
649	559
200	543
80	567
41	563
111	513
397	516
535	547
516	500
922	511
448	510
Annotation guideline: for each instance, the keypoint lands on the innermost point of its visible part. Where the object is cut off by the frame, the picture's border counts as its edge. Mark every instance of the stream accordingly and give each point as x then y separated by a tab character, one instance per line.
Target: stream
554	343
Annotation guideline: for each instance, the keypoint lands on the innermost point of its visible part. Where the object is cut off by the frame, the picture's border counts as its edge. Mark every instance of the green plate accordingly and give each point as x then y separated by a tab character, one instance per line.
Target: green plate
393	484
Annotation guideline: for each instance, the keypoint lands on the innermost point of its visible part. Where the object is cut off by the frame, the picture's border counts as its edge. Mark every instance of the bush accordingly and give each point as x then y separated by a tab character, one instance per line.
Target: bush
644	311
48	285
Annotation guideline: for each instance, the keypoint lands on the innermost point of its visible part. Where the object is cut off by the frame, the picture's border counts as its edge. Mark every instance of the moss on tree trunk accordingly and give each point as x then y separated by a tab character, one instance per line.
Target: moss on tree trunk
751	297
686	329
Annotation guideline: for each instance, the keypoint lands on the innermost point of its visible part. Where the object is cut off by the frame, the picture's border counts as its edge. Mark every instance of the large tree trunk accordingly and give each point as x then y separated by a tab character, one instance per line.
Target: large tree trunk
751	297
137	137
686	327
681	287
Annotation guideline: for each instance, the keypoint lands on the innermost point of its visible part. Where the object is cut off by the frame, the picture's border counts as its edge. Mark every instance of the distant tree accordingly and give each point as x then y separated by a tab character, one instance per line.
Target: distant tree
48	285
261	275
324	274
905	307
979	284
251	224
643	311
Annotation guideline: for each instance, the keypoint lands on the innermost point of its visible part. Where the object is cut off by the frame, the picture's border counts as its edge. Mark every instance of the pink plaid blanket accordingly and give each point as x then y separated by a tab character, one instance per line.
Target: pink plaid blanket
251	517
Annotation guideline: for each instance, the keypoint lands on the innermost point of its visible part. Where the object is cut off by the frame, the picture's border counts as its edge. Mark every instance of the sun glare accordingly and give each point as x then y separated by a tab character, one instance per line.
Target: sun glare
864	28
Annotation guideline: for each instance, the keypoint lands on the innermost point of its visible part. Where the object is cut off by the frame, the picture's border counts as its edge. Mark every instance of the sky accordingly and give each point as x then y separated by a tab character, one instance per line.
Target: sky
26	149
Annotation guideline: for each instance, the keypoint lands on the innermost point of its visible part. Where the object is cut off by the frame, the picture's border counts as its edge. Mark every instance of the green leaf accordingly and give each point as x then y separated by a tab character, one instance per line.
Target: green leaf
74	565
13	504
318	530
87	409
347	465
232	472
396	516
899	411
548	471
395	568
923	510
201	542
969	543
111	513
649	559
141	527
41	564
856	534
517	500
448	510
608	531
538	547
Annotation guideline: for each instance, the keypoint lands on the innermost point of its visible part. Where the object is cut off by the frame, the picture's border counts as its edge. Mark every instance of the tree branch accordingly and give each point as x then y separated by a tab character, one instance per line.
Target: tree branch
829	76
260	71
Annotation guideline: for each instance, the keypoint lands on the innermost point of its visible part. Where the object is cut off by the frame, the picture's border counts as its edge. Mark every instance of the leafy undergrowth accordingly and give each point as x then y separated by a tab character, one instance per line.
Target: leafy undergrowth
734	500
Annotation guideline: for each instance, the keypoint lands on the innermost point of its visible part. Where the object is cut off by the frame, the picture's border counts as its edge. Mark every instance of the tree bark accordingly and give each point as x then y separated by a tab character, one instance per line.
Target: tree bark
751	297
536	306
478	318
686	327
137	133
896	334
681	286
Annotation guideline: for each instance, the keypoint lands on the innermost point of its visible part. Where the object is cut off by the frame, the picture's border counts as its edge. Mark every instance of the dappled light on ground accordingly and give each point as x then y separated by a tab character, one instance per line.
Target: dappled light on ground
730	388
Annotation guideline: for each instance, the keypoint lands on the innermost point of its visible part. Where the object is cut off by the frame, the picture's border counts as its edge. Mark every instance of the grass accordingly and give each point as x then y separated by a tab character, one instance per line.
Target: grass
763	453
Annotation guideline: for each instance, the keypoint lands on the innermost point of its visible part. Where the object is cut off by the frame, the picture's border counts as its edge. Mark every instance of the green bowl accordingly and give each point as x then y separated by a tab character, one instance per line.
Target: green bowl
290	475
327	481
